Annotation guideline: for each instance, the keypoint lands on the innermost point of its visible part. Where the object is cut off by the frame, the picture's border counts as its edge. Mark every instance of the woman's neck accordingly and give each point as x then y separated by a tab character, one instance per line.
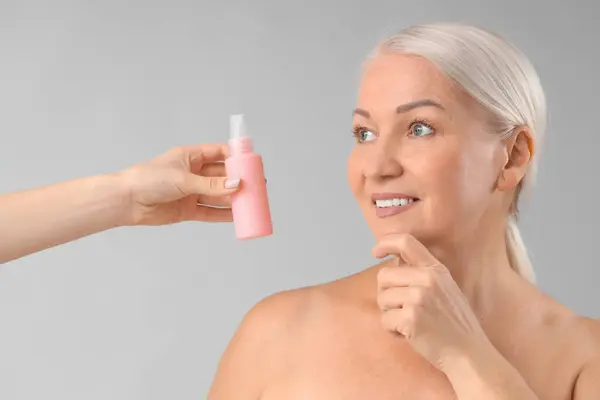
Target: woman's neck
480	266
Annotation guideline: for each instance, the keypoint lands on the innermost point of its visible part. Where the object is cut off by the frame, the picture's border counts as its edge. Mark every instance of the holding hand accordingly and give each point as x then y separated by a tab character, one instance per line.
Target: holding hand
185	183
420	300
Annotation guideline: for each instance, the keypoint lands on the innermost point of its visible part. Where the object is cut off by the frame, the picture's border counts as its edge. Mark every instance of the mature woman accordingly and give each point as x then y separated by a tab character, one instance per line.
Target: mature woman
446	126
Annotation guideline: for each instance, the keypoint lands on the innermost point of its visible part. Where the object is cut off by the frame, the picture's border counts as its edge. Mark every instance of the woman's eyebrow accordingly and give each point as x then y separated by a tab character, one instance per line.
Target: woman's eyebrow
404	107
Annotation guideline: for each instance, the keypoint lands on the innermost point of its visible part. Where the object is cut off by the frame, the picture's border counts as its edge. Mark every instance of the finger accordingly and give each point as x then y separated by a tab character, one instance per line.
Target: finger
214	169
211	169
398	297
214	201
215	186
409	249
390	277
206	153
400	320
211	214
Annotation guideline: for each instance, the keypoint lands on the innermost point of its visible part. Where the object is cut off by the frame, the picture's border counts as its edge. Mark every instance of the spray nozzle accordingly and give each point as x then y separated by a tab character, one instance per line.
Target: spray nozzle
237	127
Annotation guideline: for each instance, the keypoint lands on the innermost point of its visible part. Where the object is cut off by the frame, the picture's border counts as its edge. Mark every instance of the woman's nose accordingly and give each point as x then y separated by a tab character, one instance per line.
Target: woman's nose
384	162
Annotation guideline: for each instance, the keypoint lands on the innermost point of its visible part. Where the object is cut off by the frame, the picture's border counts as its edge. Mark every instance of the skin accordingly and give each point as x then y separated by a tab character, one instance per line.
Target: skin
165	190
445	316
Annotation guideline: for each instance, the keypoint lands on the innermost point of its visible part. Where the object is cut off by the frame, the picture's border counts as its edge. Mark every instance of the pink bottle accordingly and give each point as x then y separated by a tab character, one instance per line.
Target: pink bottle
250	203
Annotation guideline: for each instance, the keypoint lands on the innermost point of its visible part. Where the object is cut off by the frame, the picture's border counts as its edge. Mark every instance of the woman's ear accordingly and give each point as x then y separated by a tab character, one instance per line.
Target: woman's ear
519	151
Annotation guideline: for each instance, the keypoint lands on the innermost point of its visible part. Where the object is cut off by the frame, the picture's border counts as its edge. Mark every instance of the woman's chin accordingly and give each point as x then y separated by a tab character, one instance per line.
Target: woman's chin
384	231
418	231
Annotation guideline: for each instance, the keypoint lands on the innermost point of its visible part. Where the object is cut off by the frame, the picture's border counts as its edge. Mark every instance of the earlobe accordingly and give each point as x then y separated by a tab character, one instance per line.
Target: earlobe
507	180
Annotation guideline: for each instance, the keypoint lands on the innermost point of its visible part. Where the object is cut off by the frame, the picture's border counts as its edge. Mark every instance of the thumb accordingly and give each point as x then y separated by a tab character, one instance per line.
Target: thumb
211	185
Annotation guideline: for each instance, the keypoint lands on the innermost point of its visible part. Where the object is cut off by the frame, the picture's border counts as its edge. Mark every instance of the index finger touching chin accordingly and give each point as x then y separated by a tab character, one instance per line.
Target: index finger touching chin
407	248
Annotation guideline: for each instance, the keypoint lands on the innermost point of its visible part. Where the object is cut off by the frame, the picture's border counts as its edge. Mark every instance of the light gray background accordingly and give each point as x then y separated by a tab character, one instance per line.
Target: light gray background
92	87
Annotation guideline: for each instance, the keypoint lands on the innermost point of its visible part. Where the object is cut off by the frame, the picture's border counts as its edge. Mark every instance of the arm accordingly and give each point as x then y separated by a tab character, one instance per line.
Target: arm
36	219
184	184
257	349
486	375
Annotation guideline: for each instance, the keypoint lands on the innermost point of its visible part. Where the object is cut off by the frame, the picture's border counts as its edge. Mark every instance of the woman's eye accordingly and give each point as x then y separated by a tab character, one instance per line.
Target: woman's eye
420	129
364	135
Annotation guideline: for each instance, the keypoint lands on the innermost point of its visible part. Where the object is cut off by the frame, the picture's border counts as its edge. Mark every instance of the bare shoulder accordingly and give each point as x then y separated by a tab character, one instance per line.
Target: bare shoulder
273	333
260	344
275	314
587	383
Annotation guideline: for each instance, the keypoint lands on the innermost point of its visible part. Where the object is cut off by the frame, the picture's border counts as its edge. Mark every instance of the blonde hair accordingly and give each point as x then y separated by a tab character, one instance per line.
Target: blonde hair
500	78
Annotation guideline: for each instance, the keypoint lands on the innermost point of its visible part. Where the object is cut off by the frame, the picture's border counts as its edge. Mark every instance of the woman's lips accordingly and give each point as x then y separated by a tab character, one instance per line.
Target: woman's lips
383	212
388	204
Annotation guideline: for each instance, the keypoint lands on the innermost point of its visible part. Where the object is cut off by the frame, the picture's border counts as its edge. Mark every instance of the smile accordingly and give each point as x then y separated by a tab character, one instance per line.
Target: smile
389	204
395	202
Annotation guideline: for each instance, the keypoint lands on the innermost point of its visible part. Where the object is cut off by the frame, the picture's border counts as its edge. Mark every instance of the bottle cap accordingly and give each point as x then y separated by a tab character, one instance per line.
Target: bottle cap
237	127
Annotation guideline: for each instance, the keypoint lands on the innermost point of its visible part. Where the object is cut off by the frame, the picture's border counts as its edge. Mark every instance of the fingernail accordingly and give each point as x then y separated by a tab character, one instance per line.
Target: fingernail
232	183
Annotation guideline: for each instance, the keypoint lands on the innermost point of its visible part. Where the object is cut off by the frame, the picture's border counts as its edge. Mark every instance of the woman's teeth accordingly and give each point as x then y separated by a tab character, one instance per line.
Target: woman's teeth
397	202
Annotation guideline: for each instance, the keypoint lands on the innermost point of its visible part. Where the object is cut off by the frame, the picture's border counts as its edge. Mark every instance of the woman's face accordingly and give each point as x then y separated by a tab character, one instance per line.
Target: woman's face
424	162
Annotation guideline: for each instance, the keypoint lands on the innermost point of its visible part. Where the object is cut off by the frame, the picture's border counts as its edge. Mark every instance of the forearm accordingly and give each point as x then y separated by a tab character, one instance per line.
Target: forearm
489	377
41	218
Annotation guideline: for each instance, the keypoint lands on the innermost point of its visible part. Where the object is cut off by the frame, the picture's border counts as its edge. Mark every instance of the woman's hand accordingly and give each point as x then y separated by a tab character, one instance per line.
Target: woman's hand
420	300
185	183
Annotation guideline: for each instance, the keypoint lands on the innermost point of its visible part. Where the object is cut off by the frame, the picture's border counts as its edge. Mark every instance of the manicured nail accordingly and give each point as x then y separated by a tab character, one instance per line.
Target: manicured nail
232	183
